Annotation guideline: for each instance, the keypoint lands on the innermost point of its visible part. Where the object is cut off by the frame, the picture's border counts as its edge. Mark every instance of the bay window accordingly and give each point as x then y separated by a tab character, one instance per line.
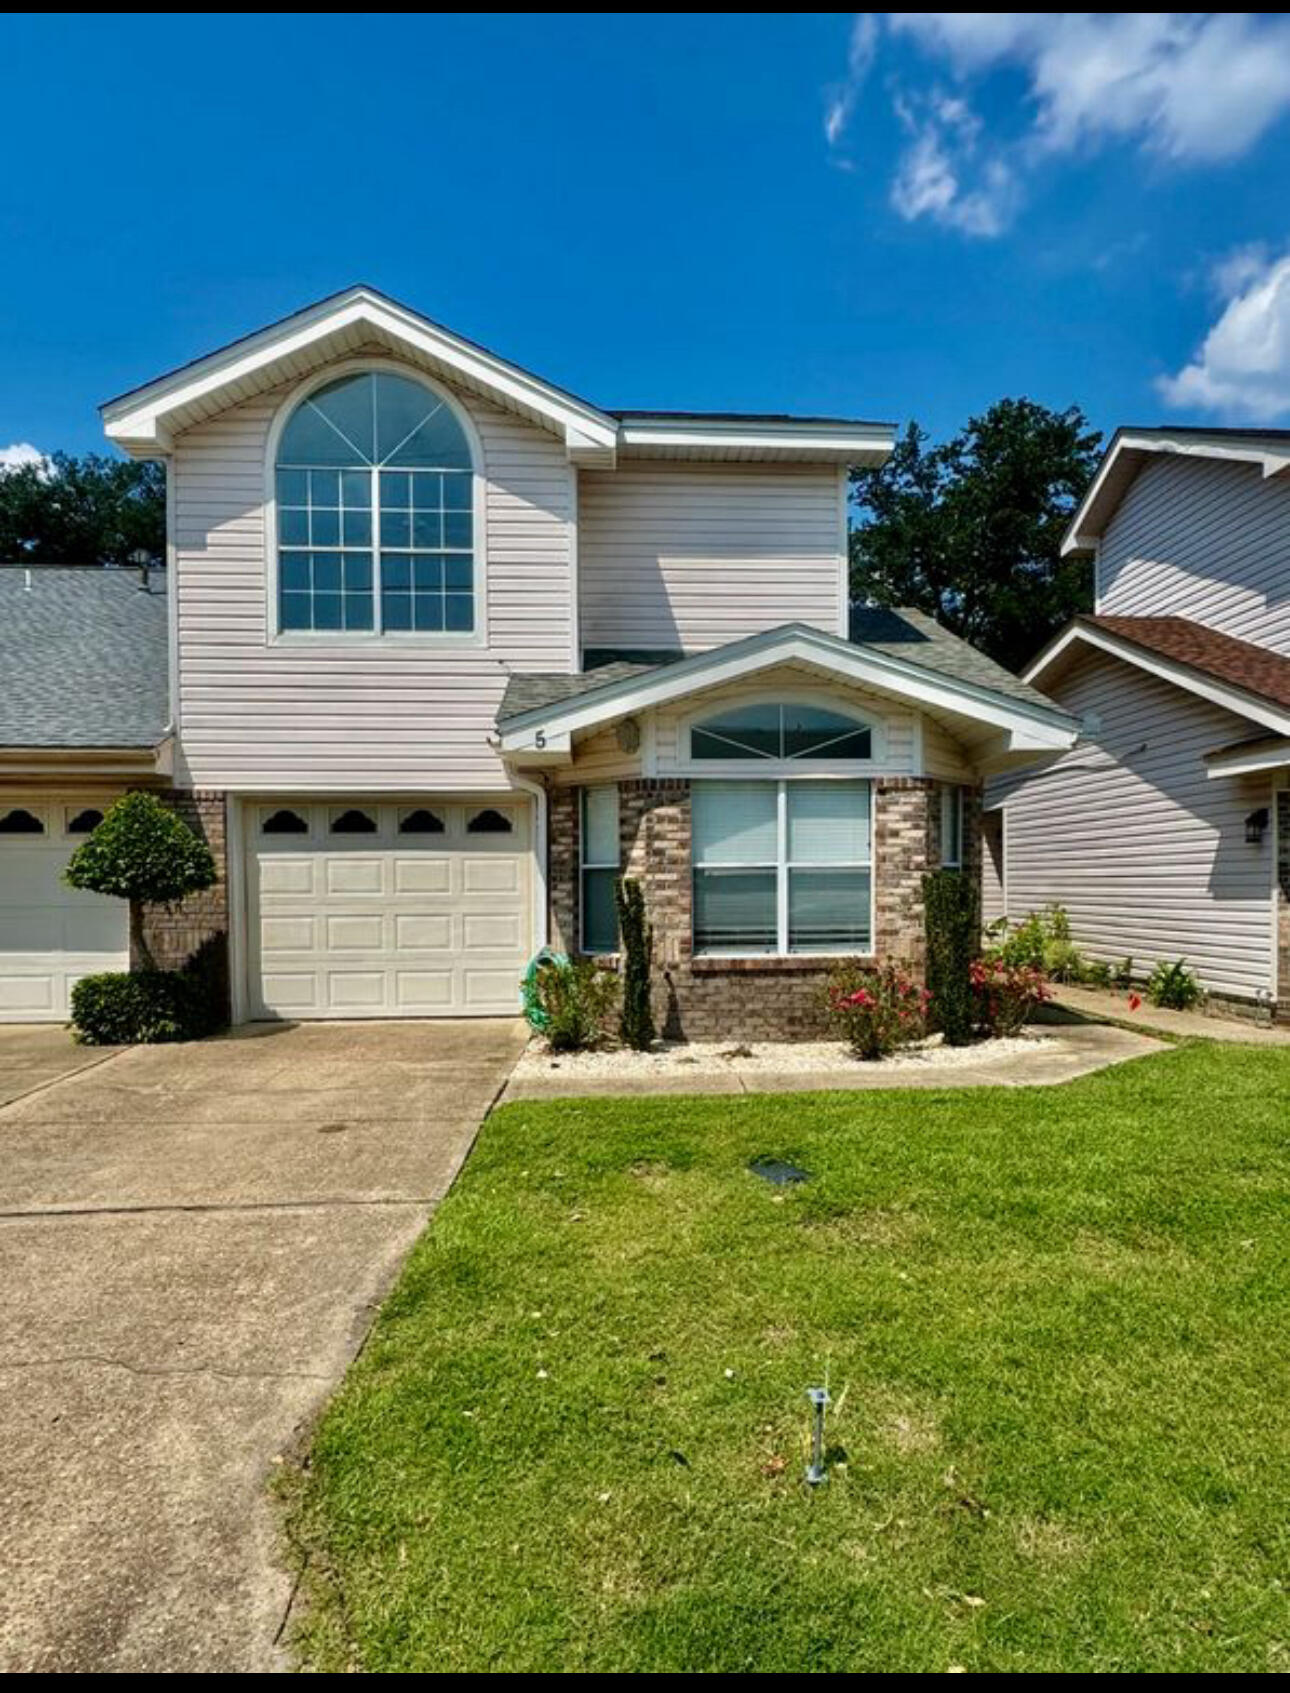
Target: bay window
782	867
599	869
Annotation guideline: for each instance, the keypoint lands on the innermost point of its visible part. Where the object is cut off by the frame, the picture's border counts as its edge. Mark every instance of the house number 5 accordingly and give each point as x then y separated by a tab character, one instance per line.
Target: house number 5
539	740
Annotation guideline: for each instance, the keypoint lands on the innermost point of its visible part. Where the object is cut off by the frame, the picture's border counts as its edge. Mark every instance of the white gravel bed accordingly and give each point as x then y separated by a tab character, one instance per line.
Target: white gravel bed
761	1057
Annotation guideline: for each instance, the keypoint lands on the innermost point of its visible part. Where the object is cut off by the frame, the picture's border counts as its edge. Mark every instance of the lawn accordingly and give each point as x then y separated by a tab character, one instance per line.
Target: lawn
1055	1324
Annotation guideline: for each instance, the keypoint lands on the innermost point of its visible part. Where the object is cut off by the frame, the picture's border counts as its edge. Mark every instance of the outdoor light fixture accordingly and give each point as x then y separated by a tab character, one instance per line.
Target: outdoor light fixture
815	1472
1256	825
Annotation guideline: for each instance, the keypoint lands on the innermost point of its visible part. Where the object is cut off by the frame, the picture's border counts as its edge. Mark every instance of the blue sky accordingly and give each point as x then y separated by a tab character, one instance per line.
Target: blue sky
887	216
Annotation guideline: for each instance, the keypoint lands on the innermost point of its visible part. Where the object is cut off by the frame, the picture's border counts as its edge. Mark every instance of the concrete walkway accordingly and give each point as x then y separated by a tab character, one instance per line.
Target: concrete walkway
1074	1049
32	1055
1102	1002
193	1240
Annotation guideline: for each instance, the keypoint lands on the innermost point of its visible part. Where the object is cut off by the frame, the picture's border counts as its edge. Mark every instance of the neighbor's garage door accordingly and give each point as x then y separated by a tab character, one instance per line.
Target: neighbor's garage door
51	935
362	909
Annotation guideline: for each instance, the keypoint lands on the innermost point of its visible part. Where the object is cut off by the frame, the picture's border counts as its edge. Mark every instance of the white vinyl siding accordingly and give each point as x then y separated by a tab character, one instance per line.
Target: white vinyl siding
1203	539
1129	833
688	557
258	714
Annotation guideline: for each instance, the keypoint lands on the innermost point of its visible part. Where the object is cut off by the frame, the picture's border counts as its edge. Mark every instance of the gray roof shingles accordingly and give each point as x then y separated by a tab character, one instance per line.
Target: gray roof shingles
82	657
903	633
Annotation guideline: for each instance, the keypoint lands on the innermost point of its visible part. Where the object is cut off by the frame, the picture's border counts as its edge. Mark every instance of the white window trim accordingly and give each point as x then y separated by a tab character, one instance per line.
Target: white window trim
782	867
585	864
951	827
275	634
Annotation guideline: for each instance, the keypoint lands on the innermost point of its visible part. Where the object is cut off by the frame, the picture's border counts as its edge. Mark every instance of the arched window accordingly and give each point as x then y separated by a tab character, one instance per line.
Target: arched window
84	822
353	822
284	823
489	822
782	732
420	822
375	498
20	822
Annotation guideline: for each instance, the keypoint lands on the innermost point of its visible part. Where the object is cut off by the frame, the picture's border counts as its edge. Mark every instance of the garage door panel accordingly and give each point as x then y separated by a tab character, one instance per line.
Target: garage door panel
394	925
354	875
51	935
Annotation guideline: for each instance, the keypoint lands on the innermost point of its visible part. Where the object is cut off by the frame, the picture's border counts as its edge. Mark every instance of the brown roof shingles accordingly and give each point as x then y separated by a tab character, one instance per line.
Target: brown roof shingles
1240	664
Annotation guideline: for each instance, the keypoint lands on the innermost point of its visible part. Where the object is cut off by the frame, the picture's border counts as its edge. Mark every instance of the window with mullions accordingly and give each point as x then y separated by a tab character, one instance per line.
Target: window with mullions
375	506
781	732
782	867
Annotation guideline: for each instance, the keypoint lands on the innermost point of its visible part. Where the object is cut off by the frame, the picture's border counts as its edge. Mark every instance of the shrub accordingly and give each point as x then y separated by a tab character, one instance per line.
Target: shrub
636	1024
1097	975
143	852
576	998
1173	987
1040	941
1123	974
876	1010
145	1007
952	921
1004	995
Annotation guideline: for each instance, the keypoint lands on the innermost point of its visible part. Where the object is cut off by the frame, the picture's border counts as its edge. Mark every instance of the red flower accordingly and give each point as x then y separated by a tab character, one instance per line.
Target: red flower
1135	1000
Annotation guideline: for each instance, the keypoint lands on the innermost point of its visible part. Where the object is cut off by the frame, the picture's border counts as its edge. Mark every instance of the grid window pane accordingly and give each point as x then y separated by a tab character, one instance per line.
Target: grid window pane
828	822
828	911
599	913
735	822
735	910
600	826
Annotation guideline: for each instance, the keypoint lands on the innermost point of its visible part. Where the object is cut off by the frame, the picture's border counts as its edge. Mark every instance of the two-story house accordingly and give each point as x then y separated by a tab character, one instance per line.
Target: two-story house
1165	831
450	649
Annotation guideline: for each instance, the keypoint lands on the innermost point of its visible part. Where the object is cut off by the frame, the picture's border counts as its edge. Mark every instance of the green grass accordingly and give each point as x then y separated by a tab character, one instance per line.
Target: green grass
1053	1321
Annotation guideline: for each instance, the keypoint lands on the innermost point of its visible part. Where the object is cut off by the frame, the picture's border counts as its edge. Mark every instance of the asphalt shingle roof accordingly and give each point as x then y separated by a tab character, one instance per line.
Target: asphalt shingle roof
1241	664
82	657
905	634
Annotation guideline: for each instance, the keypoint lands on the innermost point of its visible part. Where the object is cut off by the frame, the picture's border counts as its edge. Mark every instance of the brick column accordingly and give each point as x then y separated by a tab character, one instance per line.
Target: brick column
906	823
197	928
563	828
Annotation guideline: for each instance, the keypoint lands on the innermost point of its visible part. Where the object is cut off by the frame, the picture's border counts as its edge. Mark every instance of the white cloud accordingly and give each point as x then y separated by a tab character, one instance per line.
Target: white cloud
943	152
20	453
1191	87
1242	369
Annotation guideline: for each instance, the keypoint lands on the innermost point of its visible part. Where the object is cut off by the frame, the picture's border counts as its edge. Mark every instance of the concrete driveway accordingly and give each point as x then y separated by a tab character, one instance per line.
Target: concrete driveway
192	1242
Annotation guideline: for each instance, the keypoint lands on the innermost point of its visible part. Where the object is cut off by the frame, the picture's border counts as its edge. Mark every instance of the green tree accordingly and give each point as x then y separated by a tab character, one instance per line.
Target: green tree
144	852
90	510
969	531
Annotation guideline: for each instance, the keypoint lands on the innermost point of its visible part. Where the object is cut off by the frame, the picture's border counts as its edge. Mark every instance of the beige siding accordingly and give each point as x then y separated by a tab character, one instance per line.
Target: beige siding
691	556
381	714
1129	833
1204	539
598	758
993	902
943	757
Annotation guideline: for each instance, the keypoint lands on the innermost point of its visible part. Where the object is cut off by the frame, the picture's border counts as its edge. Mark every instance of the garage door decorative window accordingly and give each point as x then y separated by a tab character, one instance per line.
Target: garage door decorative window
84	822
375	508
285	823
20	822
353	822
420	822
489	822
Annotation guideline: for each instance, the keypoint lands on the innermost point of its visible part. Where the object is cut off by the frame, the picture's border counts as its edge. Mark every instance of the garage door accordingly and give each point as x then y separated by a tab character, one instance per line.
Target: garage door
51	935
364	909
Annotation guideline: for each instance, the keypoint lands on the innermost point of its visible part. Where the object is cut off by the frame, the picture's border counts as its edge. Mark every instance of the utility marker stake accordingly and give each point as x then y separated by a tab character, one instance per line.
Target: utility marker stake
816	1473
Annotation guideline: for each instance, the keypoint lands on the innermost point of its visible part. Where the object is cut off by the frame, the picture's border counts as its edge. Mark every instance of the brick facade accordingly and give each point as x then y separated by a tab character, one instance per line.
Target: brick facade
198	925
757	998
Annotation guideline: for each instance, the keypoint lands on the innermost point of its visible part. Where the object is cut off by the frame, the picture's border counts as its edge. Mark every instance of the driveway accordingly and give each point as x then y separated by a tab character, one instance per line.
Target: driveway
192	1242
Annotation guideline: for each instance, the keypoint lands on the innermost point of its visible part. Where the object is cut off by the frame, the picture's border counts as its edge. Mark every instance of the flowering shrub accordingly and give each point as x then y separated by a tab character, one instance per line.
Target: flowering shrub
876	1010
1006	994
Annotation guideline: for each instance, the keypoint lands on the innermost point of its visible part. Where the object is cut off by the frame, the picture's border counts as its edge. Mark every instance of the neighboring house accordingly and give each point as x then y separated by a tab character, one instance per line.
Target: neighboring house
452	648
1166	831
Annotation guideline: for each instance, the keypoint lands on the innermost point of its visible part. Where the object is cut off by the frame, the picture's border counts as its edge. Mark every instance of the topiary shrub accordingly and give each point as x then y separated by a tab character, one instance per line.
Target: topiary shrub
576	999
636	1023
952	922
144	1007
1173	987
142	852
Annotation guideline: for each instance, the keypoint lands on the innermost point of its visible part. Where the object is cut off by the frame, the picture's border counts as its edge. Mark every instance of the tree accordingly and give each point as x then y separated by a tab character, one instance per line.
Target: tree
636	1024
90	510
142	851
970	531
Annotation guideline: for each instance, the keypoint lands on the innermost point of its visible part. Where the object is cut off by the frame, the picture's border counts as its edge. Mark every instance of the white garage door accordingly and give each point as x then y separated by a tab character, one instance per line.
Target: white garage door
51	935
366	909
